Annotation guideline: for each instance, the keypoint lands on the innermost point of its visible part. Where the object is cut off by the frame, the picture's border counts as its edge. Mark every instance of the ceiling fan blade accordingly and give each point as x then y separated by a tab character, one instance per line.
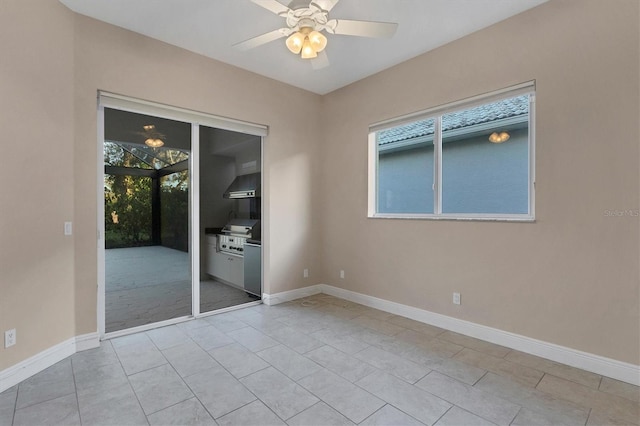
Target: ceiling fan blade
363	28
273	6
261	39
321	61
326	5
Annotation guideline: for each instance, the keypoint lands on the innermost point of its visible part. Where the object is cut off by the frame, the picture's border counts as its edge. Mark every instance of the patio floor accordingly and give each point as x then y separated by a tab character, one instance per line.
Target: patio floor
150	284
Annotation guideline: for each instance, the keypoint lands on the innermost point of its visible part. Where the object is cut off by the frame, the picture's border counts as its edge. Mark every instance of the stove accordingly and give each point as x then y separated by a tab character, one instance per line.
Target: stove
236	233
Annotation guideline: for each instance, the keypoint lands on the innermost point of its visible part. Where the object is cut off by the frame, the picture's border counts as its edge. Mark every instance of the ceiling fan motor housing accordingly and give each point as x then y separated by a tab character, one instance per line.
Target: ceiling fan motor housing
302	14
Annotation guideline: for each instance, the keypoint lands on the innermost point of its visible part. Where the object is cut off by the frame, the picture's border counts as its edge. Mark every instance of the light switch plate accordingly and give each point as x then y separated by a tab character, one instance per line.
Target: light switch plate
68	228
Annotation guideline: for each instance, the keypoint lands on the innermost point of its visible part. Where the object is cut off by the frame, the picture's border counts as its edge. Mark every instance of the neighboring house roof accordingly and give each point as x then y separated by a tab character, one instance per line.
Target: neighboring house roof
507	108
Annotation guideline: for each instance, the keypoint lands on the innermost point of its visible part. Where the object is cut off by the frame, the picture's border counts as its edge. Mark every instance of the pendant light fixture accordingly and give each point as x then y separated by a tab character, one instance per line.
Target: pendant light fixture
153	137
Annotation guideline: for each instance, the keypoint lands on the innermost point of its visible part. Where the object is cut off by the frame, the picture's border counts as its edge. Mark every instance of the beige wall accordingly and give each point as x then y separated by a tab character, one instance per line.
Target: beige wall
36	118
572	277
53	64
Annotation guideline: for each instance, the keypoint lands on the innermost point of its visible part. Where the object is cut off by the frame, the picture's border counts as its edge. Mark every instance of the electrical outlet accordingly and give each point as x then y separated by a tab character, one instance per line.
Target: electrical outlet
9	338
305	273
342	274
456	298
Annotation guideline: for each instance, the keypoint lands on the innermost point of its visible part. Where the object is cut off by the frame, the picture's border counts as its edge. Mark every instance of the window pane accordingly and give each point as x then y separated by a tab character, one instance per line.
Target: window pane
405	168
482	174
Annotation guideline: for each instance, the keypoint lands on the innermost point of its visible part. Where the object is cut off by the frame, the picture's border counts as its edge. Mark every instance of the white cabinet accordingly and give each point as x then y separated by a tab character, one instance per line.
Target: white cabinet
226	267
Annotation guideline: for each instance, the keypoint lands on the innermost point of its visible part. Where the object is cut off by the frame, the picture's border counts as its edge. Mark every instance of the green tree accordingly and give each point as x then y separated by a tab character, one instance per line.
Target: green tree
127	202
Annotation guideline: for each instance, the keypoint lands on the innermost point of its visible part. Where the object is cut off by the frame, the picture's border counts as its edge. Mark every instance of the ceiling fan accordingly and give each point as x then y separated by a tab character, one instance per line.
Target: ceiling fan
153	138
306	20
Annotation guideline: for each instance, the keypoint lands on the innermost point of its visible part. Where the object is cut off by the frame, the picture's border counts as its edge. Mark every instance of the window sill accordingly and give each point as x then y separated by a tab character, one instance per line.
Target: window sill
416	216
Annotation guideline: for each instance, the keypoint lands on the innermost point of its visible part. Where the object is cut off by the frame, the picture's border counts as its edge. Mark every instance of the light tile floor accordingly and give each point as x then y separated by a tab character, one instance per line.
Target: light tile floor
316	361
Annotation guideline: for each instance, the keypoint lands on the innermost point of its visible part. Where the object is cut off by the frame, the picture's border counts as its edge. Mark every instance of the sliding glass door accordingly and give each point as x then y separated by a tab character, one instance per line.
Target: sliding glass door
164	171
224	157
146	211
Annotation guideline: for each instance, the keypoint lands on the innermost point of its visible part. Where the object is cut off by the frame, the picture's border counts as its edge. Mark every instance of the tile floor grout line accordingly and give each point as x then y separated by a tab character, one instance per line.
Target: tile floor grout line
586	422
326	402
445	413
172	405
521	407
265	403
516	416
544	373
402	411
462	408
237	379
129	381
277	369
75	386
39	402
367	391
15	406
137	398
600	383
181	378
580	384
479	378
261	402
320	401
195	395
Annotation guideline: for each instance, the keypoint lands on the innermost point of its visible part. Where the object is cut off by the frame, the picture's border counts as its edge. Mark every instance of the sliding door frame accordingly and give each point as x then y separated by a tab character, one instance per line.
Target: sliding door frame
196	119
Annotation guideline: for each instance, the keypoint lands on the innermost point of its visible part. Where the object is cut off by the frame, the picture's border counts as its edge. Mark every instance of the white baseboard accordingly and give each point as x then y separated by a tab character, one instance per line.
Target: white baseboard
87	341
45	359
286	296
30	366
608	367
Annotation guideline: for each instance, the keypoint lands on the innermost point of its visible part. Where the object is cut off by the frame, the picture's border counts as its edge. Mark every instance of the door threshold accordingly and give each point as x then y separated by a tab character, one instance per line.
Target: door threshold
145	327
229	309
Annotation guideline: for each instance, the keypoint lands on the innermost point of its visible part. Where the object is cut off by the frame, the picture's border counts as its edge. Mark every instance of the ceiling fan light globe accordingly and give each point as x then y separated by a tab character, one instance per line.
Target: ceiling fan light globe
496	137
318	41
295	42
307	50
154	143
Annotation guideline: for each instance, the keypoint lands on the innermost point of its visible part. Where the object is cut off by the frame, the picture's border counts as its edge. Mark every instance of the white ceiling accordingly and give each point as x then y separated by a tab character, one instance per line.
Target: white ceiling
211	27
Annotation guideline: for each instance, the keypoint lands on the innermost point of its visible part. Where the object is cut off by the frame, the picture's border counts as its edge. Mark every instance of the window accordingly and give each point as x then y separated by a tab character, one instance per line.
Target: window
471	159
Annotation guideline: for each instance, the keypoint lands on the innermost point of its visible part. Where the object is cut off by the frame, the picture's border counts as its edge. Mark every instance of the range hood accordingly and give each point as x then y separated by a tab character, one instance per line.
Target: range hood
244	186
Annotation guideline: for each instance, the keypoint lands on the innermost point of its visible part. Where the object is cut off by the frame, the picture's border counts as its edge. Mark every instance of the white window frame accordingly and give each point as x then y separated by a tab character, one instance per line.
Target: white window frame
436	113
